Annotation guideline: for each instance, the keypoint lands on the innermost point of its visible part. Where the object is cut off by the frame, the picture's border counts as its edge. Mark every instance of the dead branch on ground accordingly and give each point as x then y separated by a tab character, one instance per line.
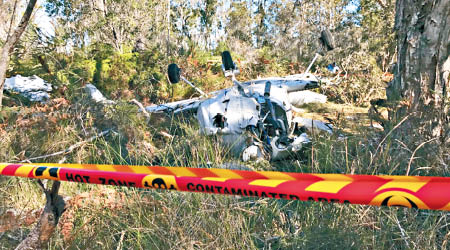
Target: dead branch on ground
71	148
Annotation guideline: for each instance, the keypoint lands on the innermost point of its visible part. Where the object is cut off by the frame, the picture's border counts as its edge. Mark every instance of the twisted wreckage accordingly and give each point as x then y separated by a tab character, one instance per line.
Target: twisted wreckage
253	118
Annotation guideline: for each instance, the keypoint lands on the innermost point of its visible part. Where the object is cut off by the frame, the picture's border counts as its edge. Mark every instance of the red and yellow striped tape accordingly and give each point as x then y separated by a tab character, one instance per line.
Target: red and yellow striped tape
407	191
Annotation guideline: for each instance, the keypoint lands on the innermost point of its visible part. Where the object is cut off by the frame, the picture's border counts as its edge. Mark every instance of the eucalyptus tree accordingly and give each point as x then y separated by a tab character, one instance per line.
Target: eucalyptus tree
116	23
421	86
185	16
238	27
12	38
295	25
377	19
207	19
8	8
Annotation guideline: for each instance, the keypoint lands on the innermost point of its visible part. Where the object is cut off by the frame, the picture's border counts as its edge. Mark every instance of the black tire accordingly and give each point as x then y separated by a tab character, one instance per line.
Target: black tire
174	73
227	61
327	39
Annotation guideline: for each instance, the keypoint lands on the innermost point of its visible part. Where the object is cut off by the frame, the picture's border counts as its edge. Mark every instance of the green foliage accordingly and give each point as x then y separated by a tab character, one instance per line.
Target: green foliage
116	72
360	82
266	38
378	23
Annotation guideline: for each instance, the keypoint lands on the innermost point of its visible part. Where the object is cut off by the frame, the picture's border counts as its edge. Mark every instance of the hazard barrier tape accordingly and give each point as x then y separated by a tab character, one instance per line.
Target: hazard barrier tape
406	191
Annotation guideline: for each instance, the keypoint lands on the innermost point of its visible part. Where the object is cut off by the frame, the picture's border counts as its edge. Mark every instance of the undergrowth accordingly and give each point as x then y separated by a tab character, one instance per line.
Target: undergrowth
114	217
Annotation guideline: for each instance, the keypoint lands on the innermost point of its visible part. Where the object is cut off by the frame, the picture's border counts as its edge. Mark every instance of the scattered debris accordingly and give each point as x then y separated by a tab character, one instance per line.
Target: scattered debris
96	95
299	98
310	123
33	88
333	68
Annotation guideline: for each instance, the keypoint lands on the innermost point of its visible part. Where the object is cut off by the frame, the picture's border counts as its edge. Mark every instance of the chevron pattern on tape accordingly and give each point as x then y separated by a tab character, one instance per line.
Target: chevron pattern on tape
406	191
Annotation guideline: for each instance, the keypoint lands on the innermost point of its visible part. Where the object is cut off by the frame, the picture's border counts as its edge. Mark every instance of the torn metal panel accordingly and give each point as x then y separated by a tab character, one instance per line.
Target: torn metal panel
299	98
310	124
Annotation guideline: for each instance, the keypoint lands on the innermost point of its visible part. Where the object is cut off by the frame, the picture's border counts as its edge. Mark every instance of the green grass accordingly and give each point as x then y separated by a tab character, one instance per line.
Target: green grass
106	217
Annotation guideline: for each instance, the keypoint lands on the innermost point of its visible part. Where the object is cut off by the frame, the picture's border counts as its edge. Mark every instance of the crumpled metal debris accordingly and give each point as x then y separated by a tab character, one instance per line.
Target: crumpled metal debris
96	95
33	88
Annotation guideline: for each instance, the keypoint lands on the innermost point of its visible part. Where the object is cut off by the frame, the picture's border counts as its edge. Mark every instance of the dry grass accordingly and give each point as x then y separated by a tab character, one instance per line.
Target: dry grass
104	217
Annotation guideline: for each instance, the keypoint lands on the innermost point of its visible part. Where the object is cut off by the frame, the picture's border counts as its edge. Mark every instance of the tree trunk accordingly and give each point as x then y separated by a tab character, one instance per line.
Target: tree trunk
421	83
11	42
41	233
4	61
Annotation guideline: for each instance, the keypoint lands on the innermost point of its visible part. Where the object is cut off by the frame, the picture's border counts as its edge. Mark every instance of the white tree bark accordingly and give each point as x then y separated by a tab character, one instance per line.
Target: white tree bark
11	41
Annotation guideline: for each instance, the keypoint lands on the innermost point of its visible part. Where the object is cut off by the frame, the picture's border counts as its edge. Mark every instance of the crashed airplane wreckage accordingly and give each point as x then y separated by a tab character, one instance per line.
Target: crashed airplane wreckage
253	118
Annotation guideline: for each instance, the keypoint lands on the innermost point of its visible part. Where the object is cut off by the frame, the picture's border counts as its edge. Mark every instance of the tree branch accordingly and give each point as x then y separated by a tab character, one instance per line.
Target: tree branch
12	40
146	114
71	148
382	3
12	20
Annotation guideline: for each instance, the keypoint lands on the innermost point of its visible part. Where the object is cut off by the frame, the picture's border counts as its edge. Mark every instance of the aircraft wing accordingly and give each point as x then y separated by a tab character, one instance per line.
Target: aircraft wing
291	83
175	107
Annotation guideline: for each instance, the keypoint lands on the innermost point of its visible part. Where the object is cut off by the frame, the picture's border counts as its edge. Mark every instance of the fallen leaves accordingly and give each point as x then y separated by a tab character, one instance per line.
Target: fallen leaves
13	219
98	199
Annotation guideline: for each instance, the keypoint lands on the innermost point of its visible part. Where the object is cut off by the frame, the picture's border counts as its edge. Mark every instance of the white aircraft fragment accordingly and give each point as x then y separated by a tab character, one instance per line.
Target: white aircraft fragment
33	88
96	95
